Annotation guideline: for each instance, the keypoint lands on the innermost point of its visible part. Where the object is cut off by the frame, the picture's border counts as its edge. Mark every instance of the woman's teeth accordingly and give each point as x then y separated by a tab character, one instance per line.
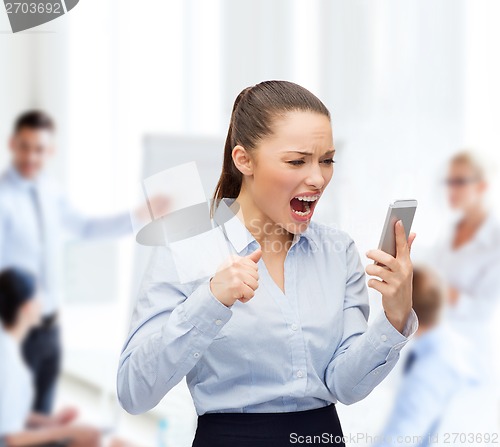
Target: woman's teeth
303	213
302	205
307	198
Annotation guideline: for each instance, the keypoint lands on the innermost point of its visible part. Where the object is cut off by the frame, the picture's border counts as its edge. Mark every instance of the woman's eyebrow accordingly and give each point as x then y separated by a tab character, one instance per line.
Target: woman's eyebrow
331	151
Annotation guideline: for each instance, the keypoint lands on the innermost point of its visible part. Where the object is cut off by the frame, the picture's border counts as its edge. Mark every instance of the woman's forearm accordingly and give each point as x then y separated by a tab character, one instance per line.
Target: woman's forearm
165	348
365	361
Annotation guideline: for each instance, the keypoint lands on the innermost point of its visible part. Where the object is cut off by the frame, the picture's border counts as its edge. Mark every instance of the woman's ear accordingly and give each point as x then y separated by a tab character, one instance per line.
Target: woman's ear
242	160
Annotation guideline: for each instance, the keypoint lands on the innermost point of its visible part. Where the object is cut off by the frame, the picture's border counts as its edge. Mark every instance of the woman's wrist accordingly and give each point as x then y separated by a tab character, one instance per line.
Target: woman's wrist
215	294
399	319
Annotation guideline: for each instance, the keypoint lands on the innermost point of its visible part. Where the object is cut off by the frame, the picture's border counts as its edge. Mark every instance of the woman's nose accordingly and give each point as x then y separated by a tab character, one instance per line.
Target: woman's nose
315	177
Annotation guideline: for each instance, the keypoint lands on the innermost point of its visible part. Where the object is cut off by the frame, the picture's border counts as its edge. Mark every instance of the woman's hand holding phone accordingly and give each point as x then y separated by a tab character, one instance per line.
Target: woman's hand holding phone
396	274
236	279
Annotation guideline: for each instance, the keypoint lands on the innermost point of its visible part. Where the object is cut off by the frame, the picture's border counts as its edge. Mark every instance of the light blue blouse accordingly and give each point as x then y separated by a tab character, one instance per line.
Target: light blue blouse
279	352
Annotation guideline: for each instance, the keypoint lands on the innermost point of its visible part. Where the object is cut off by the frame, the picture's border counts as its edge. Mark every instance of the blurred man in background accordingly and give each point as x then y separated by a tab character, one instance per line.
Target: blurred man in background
435	371
33	216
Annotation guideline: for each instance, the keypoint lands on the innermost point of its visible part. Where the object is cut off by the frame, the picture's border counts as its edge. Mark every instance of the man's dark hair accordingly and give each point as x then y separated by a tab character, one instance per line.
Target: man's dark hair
34	119
16	287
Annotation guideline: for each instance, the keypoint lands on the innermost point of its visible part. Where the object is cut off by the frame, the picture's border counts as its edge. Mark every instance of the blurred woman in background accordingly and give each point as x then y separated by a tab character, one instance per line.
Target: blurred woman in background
469	256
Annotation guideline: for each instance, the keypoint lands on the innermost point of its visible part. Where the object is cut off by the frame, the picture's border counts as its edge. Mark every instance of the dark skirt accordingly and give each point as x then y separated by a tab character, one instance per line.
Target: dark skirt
269	429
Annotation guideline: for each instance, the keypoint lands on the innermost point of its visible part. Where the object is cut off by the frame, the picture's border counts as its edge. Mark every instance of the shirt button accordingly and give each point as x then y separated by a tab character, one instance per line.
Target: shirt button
300	373
196	355
218	322
383	337
294	327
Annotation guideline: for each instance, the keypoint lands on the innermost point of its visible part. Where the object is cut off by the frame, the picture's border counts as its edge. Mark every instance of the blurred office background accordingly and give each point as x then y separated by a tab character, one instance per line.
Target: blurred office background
407	83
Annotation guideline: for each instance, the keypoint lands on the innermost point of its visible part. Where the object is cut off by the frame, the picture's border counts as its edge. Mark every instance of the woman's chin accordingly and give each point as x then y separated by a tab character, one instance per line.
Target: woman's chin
296	227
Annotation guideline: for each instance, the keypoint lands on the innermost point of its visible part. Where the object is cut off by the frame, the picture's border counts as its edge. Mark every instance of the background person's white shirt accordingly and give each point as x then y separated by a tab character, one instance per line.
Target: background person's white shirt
474	271
16	387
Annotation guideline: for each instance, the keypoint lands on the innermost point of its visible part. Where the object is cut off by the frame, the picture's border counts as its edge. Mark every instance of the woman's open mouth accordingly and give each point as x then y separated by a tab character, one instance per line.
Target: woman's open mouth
302	206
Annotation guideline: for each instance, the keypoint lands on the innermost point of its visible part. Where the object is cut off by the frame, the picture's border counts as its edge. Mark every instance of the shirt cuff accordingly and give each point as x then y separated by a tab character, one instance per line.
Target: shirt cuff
411	325
204	311
409	328
386	338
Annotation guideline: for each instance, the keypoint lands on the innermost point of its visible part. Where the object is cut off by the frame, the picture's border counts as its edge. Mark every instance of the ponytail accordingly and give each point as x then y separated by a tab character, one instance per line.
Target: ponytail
229	183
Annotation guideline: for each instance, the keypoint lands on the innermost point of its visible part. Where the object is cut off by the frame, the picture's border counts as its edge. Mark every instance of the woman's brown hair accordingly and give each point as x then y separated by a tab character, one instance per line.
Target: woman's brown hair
254	112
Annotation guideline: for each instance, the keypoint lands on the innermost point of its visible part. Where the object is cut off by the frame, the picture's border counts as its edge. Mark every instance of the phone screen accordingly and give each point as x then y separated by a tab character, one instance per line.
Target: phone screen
403	210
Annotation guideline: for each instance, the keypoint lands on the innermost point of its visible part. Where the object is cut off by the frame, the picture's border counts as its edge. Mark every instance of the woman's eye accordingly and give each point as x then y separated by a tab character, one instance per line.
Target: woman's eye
328	161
